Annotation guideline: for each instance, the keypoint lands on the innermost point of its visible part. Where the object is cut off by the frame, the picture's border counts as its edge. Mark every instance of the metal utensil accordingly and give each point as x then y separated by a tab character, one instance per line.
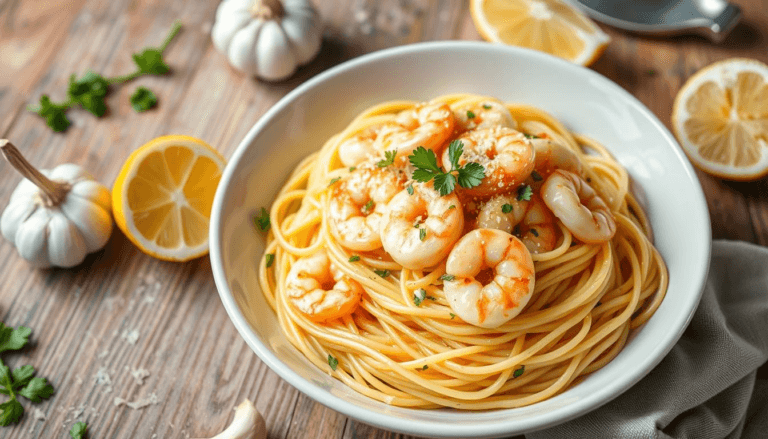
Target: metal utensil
710	18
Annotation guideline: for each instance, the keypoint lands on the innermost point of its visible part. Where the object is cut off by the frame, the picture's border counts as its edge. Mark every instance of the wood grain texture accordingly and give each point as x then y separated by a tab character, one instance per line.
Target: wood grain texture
121	310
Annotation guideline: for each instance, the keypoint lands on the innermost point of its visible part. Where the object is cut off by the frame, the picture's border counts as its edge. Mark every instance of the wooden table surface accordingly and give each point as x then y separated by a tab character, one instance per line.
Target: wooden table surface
121	310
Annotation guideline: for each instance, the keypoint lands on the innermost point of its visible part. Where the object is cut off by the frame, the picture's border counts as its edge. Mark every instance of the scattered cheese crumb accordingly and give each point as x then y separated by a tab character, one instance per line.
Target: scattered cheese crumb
139	375
38	415
130	336
102	378
138	404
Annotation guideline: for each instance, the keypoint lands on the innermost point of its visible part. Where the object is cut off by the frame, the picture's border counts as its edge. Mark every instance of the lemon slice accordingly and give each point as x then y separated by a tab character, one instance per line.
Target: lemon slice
551	26
720	117
163	195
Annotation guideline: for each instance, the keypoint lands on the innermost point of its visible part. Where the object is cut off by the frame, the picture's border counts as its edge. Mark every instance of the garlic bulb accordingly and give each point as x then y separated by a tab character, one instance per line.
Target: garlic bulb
55	217
267	38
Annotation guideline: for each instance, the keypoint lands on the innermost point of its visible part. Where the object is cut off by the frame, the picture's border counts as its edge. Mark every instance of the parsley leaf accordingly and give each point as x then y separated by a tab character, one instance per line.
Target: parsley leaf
388	160
143	99
78	430
89	91
470	114
333	362
448	277
333	181
518	372
425	162
524	193
422	234
262	220
410	189
22	375
269	259
13	339
37	390
471	175
150	62
354	258
453	316
382	273
506	208
419	296
55	115
536	176
11	412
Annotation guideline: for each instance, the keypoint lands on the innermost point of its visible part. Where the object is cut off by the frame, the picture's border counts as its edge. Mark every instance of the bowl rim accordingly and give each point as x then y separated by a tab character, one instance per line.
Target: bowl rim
427	428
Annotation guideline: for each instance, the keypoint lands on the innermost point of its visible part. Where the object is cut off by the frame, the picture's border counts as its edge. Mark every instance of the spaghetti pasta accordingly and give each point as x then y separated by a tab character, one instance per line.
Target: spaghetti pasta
405	346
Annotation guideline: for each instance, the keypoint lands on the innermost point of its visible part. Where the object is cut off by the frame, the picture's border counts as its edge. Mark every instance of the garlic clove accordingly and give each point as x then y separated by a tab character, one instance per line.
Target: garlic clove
31	238
305	37
18	210
247	424
66	246
242	50
92	220
276	58
94	192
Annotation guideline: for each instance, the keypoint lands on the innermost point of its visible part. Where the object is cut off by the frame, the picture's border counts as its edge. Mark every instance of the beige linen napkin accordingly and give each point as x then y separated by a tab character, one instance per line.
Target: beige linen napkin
707	386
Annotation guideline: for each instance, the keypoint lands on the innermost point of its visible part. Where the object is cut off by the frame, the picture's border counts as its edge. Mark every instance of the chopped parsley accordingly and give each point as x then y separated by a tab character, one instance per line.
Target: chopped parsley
452	206
382	273
535	232
425	367
419	296
506	208
518	372
352	168
448	277
486	106
333	180
425	161
333	362
410	189
270	259
452	316
530	136
524	193
536	176
389	158
470	114
262	220
354	258
368	206
422	234
651	72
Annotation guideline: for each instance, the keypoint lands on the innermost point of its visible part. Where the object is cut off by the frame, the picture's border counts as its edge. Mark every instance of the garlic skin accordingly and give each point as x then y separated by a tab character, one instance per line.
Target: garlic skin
267	38
247	424
59	234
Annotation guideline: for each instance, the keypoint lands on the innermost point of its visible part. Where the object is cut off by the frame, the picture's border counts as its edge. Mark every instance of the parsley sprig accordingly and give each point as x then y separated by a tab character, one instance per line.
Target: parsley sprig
79	430
22	381
425	161
91	89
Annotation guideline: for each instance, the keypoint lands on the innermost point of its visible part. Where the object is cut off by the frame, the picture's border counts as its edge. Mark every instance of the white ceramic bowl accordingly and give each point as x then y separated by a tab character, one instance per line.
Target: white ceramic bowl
584	100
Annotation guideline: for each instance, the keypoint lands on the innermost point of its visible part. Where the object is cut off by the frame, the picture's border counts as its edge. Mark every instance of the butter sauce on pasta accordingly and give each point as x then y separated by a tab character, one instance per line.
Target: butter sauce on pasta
404	344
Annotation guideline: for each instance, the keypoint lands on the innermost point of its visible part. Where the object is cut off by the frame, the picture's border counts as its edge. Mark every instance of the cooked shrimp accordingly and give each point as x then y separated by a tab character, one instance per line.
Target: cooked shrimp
319	290
485	114
427	124
551	155
577	205
538	229
357	204
507	156
493	278
502	212
419	230
359	148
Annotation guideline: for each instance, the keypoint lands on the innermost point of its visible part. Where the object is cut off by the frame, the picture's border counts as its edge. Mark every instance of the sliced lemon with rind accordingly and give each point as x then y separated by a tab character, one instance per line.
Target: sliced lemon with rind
720	117
163	195
550	26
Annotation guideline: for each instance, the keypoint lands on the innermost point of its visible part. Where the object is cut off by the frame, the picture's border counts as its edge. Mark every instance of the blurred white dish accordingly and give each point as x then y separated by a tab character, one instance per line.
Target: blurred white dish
583	100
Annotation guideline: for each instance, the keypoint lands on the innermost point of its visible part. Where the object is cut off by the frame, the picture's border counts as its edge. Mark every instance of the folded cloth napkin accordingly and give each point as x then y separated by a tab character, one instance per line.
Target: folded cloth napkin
707	386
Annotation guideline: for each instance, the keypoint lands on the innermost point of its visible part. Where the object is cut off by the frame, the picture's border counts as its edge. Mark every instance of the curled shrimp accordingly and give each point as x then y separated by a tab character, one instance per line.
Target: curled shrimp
502	212
493	277
574	202
429	124
319	290
507	156
551	155
538	229
357	204
486	114
419	230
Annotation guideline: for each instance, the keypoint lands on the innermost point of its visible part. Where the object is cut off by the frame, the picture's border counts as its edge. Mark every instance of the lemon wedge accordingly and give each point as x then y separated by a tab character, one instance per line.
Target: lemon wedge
550	26
163	195
720	117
